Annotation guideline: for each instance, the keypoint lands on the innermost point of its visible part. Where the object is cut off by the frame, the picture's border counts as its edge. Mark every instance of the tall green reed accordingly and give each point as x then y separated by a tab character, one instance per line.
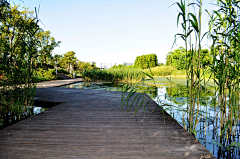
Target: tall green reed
191	24
225	34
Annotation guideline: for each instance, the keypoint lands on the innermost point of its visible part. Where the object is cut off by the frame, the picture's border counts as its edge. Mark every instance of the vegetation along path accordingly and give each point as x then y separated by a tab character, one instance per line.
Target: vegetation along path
88	124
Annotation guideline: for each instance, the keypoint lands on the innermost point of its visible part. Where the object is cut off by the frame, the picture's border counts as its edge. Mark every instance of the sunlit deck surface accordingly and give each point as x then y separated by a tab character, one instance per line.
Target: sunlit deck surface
88	124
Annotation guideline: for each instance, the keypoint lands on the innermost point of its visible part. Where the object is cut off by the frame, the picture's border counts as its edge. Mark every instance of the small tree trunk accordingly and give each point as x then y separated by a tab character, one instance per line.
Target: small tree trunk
44	62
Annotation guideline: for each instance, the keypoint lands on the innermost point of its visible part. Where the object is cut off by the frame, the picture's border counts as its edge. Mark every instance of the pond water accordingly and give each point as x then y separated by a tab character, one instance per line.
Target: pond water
172	95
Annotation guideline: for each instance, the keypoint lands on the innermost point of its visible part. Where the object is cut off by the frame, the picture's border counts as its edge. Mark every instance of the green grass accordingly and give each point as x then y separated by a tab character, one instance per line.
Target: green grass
133	74
165	71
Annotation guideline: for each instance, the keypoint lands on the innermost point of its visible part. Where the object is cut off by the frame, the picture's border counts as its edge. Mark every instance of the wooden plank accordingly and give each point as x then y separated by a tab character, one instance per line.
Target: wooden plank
88	124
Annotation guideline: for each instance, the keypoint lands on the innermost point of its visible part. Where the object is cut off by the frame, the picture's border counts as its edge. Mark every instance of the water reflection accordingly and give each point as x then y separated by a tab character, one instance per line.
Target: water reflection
152	91
11	117
202	118
20	112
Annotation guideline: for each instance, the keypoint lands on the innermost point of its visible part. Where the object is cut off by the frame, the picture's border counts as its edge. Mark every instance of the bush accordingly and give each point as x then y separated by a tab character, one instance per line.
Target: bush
62	70
44	75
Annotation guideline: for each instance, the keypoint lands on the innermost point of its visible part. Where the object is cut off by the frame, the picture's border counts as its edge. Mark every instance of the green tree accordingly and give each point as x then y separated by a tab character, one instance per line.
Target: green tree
47	45
83	66
57	58
18	41
177	58
146	61
68	59
18	51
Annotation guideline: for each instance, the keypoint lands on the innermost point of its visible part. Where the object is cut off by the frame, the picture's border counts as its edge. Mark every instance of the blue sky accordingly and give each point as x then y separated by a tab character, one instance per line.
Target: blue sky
110	31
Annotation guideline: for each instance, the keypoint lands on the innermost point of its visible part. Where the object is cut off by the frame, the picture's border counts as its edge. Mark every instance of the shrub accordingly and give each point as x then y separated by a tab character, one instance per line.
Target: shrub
62	70
44	75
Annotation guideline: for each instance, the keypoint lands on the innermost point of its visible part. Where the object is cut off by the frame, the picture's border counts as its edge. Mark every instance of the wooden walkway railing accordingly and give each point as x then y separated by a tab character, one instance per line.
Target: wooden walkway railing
88	124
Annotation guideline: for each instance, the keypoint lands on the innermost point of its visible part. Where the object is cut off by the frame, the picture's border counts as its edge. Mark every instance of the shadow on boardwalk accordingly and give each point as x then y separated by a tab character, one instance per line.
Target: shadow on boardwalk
88	124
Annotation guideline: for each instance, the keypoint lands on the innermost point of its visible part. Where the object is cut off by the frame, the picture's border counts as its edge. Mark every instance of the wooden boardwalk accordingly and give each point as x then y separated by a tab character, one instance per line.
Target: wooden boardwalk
88	124
55	83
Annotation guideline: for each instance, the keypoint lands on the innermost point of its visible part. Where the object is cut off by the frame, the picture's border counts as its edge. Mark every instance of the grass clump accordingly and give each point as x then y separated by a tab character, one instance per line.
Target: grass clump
120	74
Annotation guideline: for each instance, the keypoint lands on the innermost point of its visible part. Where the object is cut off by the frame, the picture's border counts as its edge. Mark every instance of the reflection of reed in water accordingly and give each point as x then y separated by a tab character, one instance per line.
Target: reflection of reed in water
207	124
